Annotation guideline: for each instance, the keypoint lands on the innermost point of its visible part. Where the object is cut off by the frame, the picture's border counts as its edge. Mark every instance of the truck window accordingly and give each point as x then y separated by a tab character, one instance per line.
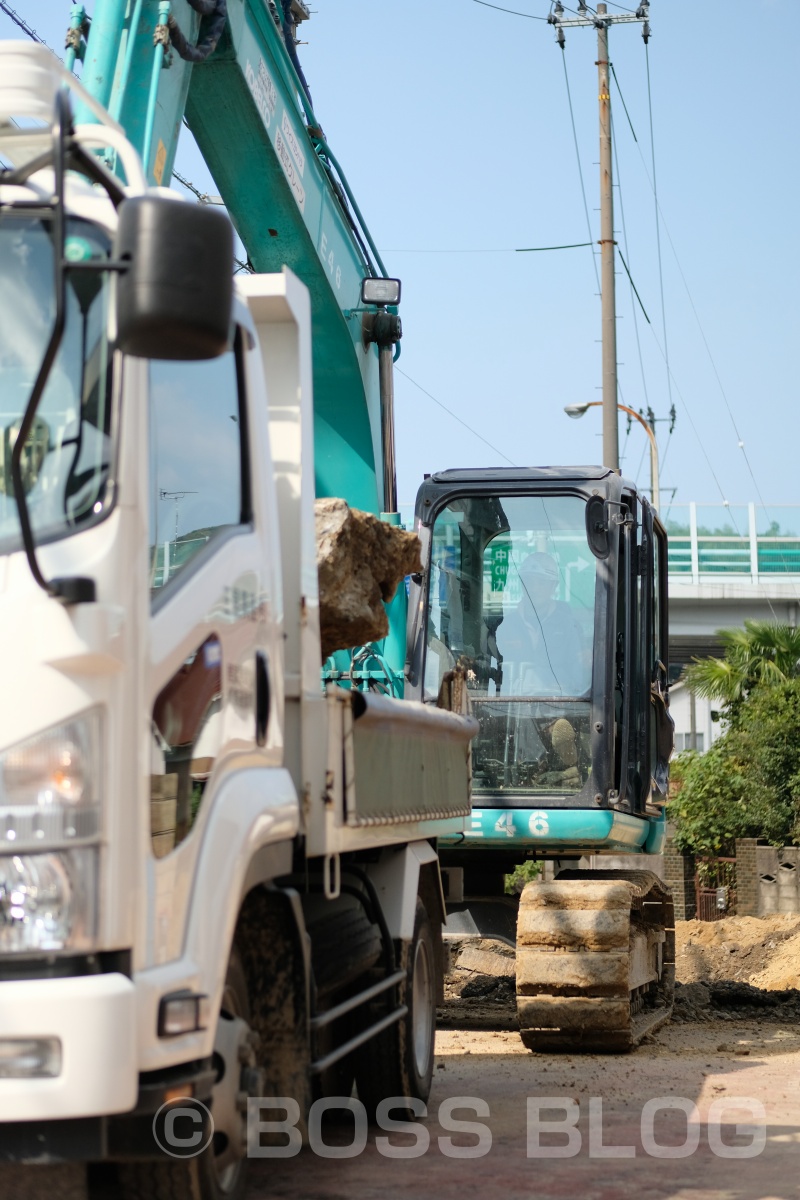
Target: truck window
196	457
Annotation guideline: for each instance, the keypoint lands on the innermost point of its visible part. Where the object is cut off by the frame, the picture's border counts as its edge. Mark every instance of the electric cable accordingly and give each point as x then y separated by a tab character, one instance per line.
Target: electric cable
665	351
633	285
627	251
499	250
512	11
23	25
580	168
641	463
658	224
456	417
624	105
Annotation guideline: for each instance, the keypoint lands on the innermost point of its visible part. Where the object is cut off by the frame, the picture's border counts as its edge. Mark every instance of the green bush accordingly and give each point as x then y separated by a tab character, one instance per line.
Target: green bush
524	873
748	783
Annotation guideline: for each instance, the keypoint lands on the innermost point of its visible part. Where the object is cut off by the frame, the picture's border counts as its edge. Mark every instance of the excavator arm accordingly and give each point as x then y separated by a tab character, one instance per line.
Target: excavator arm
250	112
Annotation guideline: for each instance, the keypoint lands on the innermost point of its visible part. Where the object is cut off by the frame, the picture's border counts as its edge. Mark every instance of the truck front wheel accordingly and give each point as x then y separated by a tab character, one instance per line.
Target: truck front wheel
219	1172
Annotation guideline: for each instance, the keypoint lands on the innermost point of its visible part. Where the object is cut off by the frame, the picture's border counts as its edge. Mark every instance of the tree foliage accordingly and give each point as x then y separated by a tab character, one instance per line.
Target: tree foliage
748	783
763	652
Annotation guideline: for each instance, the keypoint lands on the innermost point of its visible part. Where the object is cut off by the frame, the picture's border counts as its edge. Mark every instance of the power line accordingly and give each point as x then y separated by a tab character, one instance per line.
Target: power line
202	197
23	25
455	416
671	381
512	11
633	285
630	279
665	351
624	105
580	168
658	224
500	250
571	246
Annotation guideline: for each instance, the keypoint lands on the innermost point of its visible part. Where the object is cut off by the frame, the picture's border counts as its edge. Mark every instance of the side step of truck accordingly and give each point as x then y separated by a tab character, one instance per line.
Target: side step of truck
595	960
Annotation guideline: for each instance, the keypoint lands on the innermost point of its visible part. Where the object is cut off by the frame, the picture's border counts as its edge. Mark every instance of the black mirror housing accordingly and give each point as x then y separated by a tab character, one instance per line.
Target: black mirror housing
598	526
175	299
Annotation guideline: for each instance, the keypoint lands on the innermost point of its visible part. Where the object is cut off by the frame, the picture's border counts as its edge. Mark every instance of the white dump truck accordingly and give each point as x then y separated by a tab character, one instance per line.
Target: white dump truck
218	876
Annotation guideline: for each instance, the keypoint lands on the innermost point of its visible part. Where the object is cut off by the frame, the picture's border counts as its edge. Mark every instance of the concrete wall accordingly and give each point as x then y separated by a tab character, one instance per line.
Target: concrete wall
767	879
778	879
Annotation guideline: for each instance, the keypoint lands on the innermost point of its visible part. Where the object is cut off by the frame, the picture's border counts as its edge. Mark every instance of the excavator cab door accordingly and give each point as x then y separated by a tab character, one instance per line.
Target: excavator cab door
645	745
662	735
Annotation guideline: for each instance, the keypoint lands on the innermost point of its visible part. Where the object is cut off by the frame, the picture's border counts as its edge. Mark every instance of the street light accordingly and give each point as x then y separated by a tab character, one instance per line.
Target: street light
578	410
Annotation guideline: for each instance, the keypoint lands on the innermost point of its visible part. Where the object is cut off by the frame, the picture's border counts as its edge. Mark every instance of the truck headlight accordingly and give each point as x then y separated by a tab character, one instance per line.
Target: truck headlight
48	902
50	787
50	825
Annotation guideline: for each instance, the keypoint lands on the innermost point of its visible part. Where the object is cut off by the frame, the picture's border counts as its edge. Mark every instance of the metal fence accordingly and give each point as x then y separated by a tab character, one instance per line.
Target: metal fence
715	888
742	541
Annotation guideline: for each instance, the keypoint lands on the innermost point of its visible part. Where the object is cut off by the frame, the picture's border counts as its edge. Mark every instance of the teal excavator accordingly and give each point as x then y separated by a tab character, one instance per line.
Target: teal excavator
219	880
545	588
229	71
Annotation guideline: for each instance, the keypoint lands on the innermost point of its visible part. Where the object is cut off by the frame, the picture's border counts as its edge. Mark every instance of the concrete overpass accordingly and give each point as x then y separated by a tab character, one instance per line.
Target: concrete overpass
728	564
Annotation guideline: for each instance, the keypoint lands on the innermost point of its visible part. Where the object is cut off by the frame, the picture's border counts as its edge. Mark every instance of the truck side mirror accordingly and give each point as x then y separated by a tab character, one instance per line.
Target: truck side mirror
174	299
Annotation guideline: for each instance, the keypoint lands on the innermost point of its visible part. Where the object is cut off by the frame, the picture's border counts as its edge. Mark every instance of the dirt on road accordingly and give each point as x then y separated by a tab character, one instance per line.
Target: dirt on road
707	1109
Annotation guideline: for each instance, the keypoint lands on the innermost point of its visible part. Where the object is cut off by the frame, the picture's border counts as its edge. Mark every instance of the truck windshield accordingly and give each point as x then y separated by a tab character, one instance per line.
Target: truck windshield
66	462
512	590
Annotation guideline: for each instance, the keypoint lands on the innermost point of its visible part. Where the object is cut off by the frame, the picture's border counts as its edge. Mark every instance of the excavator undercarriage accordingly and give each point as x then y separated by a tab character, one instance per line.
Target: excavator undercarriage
595	960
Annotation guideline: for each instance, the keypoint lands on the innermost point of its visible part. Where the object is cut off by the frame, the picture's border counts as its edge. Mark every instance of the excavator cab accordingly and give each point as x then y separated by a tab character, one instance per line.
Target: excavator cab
545	589
548	587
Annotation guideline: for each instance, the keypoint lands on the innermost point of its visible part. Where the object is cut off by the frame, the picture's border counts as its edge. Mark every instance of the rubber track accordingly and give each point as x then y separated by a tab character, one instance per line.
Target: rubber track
583	941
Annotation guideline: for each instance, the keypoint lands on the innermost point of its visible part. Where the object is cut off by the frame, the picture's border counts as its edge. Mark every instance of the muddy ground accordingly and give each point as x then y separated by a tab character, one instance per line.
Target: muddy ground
708	1109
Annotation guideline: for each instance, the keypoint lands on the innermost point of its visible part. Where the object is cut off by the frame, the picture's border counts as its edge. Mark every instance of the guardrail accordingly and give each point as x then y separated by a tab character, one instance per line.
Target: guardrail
743	541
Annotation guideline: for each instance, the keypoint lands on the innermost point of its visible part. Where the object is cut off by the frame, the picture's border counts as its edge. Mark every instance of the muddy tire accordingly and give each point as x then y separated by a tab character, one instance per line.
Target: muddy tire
399	1061
20	1181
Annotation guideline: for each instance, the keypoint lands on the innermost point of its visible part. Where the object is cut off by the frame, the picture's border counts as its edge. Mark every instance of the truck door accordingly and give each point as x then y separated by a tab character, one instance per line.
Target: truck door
209	597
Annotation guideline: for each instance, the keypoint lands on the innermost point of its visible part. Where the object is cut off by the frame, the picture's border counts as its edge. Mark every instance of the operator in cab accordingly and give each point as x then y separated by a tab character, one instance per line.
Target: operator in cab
540	643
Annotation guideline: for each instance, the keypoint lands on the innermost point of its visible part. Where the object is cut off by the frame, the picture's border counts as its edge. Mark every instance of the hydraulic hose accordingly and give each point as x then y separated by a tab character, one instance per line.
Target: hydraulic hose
289	25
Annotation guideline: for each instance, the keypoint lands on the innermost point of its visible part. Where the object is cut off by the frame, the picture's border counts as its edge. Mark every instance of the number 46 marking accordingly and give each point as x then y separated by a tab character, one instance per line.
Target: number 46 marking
538	824
505	824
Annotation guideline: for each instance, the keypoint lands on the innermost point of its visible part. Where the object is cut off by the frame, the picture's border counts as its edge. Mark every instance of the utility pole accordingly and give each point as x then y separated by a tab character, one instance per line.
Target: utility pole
607	285
602	22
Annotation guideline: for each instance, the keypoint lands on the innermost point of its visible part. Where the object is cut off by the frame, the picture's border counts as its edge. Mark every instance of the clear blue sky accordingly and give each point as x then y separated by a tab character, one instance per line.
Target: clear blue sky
451	121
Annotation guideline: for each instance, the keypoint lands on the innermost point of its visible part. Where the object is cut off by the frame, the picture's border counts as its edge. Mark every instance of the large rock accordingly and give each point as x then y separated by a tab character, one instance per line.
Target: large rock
361	560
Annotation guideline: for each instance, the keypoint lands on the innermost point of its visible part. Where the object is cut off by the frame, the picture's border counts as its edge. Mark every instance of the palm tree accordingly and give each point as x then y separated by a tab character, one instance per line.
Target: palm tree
761	652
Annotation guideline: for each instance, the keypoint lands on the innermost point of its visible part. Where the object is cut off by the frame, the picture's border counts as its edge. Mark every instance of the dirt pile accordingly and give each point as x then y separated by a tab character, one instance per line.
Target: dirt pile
728	970
761	951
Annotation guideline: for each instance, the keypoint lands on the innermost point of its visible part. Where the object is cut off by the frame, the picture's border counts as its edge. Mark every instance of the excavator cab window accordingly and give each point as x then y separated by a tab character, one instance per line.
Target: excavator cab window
512	600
